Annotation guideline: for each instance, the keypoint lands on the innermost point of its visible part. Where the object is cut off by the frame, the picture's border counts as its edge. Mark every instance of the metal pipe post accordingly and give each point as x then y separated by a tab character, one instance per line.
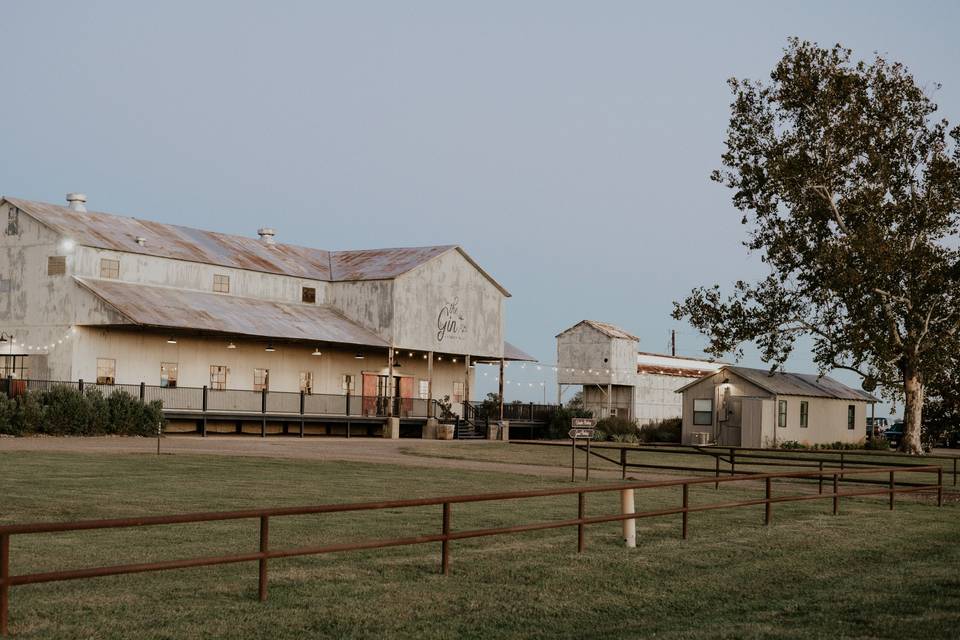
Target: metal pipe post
581	509
768	506
264	545
445	545
836	494
686	504
627	506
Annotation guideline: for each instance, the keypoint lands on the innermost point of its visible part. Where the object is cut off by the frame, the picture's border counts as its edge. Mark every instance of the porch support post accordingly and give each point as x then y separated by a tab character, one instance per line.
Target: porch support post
390	382
609	399
466	384
501	389
430	385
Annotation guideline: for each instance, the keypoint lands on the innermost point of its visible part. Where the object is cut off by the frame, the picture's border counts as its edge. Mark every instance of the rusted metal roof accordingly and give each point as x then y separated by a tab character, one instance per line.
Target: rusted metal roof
119	233
167	308
783	383
605	328
513	352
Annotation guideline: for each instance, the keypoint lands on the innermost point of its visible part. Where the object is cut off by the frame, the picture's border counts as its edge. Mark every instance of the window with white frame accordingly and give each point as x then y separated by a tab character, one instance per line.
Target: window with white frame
168	374
851	416
306	382
221	283
457	392
804	414
782	413
218	377
424	389
106	371
703	411
261	379
109	268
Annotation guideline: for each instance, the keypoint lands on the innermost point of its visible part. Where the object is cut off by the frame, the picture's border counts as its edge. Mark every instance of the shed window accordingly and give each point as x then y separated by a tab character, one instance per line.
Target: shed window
804	414
221	283
168	374
424	389
56	265
109	268
347	382
106	370
703	411
782	413
851	416
309	295
218	377
306	382
457	392
261	379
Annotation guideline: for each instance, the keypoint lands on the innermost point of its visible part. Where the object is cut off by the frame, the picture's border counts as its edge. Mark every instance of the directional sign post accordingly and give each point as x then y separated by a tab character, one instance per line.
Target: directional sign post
583	429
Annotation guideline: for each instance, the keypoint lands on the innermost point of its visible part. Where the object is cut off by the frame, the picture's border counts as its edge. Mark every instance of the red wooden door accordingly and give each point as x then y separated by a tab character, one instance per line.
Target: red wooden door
406	393
369	390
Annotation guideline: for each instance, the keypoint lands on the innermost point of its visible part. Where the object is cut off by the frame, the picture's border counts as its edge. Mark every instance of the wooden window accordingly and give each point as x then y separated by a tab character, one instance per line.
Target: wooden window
703	411
218	377
221	283
457	392
261	379
851	416
309	294
106	371
804	414
424	389
168	374
347	382
782	413
306	382
109	268
56	265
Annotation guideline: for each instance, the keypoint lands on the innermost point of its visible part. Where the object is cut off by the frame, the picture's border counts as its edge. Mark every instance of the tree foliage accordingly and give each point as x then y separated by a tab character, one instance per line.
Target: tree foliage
850	192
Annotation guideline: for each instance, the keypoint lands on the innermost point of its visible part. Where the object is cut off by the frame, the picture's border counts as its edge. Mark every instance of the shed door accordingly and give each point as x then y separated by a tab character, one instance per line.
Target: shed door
730	428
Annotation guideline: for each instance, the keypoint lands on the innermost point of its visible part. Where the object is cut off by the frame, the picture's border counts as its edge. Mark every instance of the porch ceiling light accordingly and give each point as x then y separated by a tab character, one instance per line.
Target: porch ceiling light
359	356
269	348
316	352
171	340
231	346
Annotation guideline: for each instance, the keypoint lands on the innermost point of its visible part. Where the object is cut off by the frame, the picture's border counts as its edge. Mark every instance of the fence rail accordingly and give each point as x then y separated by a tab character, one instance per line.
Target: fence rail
447	534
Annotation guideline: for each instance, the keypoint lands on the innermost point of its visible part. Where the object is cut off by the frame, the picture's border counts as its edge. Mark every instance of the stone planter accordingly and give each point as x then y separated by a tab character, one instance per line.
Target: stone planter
445	432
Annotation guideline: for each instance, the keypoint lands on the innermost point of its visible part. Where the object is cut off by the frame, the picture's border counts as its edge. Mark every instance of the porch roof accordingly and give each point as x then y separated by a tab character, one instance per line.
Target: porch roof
168	308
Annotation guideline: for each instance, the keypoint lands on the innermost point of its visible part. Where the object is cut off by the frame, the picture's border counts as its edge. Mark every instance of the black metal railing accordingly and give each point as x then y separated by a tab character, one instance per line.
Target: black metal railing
517	411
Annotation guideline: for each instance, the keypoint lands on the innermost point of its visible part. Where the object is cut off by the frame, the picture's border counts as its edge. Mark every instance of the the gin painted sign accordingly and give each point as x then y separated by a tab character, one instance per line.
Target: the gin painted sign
450	322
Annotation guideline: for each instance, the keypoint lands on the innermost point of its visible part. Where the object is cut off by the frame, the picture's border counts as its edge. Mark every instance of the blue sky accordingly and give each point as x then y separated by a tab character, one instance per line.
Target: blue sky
565	145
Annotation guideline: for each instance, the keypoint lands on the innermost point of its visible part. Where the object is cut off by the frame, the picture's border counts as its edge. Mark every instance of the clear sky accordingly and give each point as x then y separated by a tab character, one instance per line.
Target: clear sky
565	145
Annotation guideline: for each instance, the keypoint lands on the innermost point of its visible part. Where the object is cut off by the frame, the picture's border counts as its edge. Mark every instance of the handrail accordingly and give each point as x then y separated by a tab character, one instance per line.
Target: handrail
265	553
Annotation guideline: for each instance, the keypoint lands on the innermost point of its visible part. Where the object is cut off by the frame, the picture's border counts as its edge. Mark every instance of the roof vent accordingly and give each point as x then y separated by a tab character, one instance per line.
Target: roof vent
77	201
266	234
141	241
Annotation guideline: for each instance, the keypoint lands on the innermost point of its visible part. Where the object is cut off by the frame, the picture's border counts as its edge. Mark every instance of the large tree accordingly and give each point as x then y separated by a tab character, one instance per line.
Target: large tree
850	192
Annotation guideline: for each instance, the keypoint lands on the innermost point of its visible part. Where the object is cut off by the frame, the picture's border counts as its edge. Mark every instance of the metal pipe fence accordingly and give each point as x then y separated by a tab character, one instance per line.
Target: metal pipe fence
446	535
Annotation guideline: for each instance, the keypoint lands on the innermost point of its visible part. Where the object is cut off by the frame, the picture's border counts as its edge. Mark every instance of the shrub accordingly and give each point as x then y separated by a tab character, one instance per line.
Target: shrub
661	431
66	412
8	409
63	410
561	421
617	428
877	443
27	415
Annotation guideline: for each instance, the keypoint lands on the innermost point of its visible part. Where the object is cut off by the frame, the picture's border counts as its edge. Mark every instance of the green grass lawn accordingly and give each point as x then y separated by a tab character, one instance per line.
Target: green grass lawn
866	573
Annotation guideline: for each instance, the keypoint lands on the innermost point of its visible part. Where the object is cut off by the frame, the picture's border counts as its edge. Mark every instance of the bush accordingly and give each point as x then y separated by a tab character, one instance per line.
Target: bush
877	443
562	419
64	410
618	429
662	431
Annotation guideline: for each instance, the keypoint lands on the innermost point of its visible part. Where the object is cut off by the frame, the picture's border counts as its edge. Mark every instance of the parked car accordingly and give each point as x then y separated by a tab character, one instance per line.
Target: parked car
876	427
894	434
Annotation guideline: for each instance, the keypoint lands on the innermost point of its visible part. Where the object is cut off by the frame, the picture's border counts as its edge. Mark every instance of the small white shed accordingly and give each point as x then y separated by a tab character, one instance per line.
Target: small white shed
744	407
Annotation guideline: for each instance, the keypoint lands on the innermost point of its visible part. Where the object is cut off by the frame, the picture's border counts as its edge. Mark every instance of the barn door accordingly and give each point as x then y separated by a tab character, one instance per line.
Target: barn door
406	396
369	390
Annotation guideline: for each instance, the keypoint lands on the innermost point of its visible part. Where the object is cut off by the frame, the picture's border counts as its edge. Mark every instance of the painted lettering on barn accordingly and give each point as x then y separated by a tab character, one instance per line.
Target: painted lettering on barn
450	322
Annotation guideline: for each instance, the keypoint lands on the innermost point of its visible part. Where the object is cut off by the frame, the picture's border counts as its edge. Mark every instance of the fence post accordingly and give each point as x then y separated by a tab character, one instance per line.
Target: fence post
768	506
203	405
445	545
686	505
264	544
4	588
627	506
143	391
954	472
891	491
940	485
836	493
581	509
80	385
733	461
716	484
302	405
820	479
623	464
263	413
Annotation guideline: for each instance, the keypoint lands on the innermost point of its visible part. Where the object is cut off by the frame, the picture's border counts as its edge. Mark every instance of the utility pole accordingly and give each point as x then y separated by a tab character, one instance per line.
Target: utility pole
673	342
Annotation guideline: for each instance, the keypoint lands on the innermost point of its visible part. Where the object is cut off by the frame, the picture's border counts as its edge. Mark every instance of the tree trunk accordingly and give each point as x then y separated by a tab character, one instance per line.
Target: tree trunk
912	413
